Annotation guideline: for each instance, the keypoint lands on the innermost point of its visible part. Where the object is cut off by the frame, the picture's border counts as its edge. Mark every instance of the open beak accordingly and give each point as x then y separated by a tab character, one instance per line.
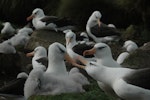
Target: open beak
99	23
30	17
89	52
31	54
70	60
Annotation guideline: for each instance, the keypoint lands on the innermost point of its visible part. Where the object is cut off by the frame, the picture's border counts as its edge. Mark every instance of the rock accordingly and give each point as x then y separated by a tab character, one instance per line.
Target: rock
146	46
26	62
10	64
44	38
140	58
116	49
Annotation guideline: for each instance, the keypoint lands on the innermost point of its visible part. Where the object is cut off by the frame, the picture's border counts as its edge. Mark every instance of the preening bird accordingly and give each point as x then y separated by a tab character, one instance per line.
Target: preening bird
100	32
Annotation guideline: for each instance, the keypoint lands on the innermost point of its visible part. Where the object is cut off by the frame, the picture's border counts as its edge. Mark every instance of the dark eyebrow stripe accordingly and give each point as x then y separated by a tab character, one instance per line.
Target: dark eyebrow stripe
61	49
101	47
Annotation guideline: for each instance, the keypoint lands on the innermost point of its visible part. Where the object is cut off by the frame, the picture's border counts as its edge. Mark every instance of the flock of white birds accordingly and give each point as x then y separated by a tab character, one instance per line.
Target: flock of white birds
112	78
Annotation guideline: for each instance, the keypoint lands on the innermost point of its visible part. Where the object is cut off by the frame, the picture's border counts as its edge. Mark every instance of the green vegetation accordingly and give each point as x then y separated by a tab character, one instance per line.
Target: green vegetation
93	92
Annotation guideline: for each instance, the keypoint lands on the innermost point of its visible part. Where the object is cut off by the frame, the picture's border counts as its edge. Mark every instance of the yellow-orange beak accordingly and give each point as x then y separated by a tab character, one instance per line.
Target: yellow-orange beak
82	60
68	40
72	61
30	17
31	54
99	22
89	52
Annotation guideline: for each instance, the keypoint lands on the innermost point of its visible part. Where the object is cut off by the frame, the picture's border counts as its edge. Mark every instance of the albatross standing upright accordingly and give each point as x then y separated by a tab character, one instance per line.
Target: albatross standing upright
55	80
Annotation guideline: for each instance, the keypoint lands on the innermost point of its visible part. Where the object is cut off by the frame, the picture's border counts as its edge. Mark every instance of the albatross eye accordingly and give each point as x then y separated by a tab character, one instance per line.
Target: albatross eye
36	12
96	17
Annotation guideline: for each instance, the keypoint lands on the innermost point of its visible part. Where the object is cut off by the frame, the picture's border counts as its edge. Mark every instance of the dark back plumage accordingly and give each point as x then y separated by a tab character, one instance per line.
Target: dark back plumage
60	22
43	61
140	77
104	30
80	48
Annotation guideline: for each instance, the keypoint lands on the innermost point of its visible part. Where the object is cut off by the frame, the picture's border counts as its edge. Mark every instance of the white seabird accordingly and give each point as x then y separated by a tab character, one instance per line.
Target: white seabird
130	46
75	74
127	84
55	80
103	56
95	27
8	29
122	57
75	49
22	37
6	47
41	21
39	57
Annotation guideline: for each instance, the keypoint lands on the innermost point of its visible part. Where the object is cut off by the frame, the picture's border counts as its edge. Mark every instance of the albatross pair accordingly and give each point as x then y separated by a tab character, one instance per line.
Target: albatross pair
125	83
56	79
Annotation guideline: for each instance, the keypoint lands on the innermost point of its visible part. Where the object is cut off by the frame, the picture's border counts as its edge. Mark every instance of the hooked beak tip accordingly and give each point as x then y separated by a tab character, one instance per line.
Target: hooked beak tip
30	54
30	18
99	23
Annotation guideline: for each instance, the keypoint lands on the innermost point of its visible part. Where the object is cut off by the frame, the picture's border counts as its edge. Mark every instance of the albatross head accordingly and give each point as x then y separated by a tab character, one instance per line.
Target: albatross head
56	56
37	13
38	52
6	24
57	52
94	19
100	50
70	38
